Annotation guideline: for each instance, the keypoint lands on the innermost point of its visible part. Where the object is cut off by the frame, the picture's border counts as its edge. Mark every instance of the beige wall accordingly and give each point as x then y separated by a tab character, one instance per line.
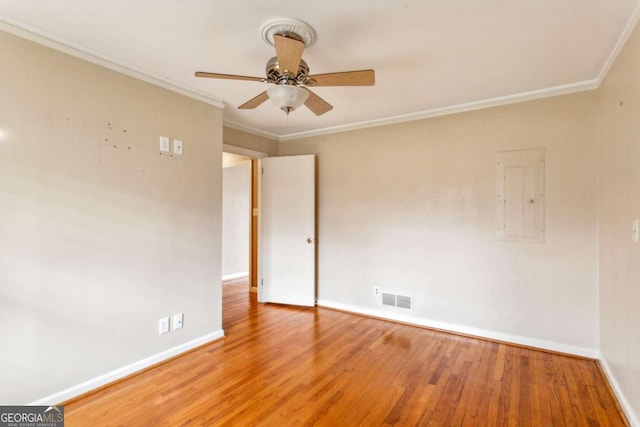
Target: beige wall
411	208
253	142
619	205
236	219
100	236
97	242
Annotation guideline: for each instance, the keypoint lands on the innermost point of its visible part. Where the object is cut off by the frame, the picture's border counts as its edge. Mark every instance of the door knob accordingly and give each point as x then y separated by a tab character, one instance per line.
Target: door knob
309	240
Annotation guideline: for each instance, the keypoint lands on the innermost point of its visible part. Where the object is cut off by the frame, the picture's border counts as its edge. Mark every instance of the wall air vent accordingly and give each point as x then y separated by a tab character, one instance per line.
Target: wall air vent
403	301
389	299
399	301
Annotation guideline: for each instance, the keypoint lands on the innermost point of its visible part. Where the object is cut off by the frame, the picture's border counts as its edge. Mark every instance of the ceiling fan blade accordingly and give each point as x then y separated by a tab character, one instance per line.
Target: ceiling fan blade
289	53
254	102
316	104
228	76
346	78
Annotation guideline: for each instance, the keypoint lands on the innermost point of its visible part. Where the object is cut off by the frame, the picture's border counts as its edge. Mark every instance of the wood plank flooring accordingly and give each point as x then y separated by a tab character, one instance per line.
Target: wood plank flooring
286	366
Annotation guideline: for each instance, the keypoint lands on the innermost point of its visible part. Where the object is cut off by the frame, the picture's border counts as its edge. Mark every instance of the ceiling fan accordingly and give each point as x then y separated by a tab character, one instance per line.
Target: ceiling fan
289	74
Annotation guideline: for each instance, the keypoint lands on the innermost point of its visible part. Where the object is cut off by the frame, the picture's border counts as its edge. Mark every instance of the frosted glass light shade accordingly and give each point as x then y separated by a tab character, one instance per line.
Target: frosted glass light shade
287	97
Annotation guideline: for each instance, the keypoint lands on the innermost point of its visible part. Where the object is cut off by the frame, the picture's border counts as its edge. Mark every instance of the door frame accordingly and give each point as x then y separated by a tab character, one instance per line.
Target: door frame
254	209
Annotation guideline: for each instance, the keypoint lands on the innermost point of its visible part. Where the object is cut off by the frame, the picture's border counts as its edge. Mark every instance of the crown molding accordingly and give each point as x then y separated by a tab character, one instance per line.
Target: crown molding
251	130
585	85
454	109
32	34
624	36
40	37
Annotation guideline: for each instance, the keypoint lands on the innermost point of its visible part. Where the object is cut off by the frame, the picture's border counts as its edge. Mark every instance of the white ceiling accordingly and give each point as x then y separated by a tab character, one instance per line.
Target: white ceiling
430	56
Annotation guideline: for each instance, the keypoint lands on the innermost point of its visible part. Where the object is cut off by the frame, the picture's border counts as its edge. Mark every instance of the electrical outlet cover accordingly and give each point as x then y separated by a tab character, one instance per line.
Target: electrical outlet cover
177	321
177	146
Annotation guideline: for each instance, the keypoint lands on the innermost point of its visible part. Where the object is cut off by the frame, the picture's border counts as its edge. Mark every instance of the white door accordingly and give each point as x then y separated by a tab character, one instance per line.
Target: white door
287	231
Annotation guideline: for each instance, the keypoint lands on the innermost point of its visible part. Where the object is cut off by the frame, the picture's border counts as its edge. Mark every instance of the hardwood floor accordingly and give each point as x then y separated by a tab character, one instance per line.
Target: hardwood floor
287	366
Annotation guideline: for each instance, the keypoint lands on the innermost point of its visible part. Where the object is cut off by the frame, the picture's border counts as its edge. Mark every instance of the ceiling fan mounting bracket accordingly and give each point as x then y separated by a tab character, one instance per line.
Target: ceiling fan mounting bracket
288	27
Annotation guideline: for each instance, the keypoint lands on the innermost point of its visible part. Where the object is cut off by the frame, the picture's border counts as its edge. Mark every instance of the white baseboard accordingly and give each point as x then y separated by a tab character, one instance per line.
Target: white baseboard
624	403
462	329
119	373
235	276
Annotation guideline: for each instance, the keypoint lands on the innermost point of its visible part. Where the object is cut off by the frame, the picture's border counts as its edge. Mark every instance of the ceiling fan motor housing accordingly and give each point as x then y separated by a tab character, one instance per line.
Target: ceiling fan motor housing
274	74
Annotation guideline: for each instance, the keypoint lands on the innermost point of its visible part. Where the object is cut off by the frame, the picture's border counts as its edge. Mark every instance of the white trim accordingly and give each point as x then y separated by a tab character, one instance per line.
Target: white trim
40	37
251	130
235	276
624	403
32	34
122	372
622	40
454	109
467	330
228	148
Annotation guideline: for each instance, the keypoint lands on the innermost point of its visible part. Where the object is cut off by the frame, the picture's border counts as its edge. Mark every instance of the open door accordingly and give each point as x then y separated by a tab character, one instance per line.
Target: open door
287	231
254	229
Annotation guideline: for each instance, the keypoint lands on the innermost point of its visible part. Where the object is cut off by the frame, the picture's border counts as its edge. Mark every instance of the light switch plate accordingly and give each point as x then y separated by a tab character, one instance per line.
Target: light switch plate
177	146
164	144
163	325
635	230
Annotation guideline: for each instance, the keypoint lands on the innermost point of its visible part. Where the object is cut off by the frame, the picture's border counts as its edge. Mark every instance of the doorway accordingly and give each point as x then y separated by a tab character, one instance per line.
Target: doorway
278	197
240	216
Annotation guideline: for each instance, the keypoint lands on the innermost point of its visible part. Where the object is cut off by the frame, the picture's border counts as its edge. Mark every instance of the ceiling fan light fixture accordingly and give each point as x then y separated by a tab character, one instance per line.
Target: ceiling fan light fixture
287	97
